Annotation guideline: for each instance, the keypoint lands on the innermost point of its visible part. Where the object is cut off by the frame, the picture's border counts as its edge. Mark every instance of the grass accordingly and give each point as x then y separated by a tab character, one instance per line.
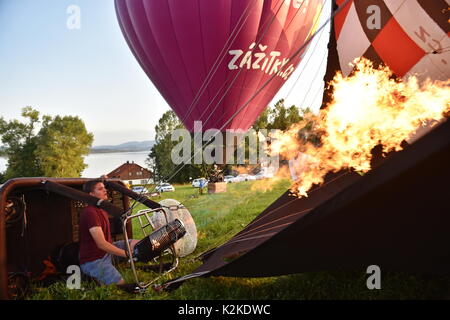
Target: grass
218	217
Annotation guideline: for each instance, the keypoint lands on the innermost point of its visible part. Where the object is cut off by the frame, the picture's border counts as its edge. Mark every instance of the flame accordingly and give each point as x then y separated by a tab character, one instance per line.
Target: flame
369	108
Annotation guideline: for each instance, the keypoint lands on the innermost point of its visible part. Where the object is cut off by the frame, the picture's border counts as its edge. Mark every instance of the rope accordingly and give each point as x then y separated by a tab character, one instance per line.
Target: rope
256	45
315	76
309	58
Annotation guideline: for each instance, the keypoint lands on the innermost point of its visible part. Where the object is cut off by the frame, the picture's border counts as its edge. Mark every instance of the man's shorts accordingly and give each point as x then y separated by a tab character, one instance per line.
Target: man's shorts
103	269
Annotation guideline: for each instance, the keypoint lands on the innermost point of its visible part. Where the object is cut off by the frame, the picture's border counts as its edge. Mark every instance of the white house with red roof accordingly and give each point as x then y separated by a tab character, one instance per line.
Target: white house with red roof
132	174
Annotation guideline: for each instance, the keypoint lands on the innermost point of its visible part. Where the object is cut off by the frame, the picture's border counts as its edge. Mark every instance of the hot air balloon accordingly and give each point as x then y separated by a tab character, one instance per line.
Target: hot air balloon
209	58
410	37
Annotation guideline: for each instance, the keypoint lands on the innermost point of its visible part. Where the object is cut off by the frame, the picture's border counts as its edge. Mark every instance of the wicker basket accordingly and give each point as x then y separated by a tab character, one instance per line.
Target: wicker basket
217	187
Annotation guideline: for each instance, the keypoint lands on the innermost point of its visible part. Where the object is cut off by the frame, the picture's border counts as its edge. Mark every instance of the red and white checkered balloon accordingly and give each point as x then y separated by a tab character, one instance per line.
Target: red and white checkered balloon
411	37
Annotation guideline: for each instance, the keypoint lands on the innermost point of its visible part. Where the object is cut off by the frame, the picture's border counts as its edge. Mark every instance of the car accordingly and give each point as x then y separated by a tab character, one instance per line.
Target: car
245	177
260	176
165	187
228	179
264	175
196	183
140	189
236	179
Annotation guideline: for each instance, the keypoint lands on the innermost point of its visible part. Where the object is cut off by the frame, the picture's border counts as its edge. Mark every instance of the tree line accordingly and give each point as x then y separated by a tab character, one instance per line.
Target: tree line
56	146
44	146
159	160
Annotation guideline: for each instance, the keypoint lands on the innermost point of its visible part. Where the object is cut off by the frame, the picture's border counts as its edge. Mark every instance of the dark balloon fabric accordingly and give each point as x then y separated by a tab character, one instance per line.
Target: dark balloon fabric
208	58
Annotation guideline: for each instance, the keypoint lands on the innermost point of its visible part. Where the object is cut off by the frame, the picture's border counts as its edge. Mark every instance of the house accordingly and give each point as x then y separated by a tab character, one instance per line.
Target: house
132	173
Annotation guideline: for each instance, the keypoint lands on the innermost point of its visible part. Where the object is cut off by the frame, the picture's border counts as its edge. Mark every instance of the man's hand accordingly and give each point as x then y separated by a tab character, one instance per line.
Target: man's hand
102	244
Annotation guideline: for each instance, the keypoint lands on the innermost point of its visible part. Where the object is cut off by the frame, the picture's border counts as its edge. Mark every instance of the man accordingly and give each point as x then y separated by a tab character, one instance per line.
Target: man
96	246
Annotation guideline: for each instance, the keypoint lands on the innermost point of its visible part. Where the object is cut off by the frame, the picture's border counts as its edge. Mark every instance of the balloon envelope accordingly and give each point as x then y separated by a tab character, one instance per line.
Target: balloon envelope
174	210
209	57
410	37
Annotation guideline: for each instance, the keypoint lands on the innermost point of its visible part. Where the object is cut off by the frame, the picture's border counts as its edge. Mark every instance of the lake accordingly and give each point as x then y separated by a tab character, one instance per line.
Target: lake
102	163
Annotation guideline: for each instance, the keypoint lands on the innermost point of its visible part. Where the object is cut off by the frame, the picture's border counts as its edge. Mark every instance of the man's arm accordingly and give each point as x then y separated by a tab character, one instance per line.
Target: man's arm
102	244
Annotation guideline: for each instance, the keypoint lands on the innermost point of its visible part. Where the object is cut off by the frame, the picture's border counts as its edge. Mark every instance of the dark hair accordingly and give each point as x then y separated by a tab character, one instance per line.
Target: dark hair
89	186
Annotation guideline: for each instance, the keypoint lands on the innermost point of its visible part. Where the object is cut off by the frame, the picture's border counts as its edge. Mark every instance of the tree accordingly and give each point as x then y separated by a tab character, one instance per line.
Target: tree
20	144
279	117
282	118
263	120
56	150
63	143
160	155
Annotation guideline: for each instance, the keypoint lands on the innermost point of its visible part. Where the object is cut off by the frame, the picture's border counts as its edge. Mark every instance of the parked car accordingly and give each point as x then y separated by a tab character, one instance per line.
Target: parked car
229	179
165	187
245	177
238	178
196	183
140	189
260	176
264	175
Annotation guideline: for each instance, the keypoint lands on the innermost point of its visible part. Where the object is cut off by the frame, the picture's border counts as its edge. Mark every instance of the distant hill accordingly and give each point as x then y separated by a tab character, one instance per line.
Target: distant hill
132	146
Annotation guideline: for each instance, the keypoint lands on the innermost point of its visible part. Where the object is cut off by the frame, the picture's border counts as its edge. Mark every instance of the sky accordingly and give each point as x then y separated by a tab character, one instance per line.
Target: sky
91	73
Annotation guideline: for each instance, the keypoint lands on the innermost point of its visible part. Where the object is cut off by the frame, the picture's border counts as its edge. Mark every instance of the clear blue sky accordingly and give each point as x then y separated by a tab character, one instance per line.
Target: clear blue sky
90	72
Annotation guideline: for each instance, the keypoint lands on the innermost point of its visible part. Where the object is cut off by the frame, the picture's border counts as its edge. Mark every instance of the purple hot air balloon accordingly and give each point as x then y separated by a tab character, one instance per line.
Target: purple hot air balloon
209	57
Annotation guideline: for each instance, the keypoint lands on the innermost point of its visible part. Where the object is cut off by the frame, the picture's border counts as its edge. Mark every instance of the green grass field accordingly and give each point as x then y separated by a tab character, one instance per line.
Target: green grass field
218	217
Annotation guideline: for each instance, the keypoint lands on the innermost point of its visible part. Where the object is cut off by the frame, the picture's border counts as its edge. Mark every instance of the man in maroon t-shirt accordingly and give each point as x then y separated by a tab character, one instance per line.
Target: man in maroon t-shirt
96	246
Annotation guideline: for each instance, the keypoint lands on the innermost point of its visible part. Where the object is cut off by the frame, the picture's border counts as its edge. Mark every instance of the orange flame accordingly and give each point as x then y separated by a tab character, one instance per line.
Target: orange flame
369	108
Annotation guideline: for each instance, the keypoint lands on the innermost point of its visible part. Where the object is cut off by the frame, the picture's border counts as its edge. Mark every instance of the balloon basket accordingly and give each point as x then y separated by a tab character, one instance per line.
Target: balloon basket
217	187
